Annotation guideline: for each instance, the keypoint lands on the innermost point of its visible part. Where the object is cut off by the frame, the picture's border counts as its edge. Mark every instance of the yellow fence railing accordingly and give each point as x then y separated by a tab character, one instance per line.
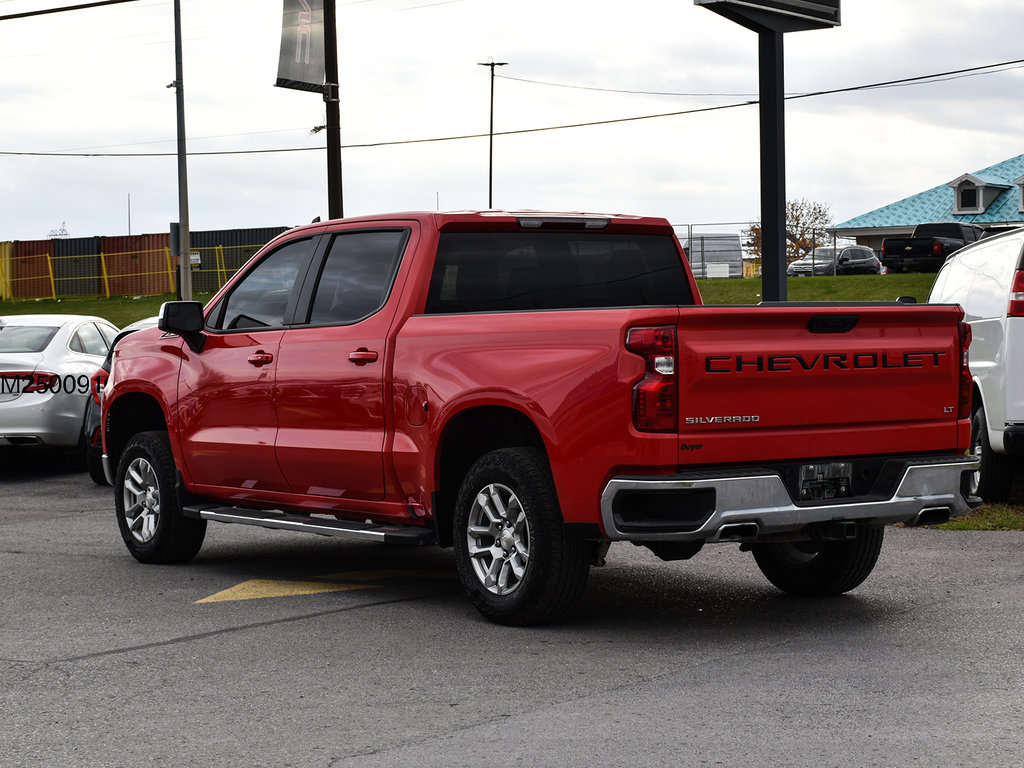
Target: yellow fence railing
134	273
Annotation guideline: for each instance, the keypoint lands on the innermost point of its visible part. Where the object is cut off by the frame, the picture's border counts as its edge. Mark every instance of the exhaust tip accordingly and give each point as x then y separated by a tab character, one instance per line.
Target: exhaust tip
737	532
931	516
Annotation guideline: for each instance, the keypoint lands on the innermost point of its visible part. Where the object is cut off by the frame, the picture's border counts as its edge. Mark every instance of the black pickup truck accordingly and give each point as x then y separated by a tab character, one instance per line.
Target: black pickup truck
929	247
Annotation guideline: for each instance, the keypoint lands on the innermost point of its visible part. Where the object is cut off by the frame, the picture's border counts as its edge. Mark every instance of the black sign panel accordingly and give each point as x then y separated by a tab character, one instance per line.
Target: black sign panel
777	15
302	61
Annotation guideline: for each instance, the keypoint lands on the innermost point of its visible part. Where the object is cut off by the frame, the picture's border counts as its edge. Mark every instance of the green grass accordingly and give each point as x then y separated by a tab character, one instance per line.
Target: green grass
990	517
124	310
120	310
839	288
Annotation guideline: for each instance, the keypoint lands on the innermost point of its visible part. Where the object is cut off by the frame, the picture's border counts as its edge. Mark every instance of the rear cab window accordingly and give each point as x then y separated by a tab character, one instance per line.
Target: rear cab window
546	270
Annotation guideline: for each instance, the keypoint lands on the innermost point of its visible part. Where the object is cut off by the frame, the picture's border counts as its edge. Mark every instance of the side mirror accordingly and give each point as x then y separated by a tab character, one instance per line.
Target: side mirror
184	318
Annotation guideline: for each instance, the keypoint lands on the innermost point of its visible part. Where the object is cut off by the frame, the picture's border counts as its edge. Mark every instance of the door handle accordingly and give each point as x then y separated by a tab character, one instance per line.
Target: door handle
260	358
362	356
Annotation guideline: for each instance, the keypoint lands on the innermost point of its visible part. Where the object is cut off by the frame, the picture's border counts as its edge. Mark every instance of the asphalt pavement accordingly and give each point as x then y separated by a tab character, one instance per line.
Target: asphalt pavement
281	649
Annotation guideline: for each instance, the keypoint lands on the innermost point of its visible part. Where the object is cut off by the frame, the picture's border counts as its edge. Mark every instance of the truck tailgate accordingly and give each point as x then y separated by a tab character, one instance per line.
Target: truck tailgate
777	383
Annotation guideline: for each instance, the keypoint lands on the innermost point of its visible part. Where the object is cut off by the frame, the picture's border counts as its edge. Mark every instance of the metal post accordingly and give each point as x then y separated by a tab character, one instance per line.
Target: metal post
185	248
335	198
490	160
773	167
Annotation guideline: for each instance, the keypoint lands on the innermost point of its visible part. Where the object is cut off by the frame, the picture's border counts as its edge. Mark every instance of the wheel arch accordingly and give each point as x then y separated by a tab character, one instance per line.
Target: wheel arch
467	436
979	400
130	414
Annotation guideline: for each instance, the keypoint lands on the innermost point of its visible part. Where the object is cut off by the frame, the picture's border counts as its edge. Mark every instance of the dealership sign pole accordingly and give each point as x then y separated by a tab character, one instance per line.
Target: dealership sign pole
771	19
309	62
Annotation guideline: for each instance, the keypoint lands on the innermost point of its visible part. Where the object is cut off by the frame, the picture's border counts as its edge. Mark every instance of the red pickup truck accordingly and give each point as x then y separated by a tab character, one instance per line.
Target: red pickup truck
529	388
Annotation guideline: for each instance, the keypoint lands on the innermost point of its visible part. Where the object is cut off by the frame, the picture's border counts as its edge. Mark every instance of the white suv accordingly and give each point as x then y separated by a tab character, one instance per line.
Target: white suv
987	280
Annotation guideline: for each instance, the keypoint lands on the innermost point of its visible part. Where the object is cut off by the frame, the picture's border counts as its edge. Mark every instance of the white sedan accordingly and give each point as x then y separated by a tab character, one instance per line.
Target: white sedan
46	362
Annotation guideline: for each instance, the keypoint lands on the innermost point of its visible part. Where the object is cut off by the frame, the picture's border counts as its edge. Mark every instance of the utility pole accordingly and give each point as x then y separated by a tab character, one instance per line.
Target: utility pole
772	110
771	19
490	160
335	198
184	242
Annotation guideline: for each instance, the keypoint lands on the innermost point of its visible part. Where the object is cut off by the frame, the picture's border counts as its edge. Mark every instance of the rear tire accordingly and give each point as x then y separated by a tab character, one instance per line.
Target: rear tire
148	513
993	479
516	561
821	568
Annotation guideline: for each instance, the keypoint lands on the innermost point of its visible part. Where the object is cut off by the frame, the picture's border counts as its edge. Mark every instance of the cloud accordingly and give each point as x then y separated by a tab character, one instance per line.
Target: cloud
409	70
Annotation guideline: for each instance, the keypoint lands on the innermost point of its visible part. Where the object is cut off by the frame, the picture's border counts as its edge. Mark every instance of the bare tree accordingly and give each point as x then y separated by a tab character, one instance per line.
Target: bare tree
806	225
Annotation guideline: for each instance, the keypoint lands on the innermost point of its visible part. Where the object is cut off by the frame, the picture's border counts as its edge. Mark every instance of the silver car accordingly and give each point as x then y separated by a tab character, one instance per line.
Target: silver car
46	362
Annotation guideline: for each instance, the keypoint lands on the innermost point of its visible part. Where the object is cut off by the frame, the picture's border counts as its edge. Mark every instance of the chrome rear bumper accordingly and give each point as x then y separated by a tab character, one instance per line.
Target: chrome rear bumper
744	506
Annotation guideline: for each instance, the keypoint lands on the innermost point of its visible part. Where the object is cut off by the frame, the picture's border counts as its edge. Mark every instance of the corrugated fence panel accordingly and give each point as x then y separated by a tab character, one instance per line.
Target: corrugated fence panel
76	267
138	265
30	269
6	251
123	266
223	252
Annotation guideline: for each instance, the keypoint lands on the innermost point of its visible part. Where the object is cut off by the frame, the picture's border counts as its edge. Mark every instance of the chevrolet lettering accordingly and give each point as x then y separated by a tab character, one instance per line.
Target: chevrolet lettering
842	361
721	419
530	389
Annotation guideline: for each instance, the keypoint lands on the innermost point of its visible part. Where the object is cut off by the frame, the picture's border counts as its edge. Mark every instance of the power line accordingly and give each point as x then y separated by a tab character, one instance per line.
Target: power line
96	4
951	74
938	77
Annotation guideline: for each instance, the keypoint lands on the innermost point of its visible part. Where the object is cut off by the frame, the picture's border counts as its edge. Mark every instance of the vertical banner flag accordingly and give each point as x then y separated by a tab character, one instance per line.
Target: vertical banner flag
302	46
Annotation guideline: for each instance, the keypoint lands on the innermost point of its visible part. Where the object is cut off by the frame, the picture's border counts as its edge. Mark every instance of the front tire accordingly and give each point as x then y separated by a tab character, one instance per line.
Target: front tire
516	561
148	513
818	569
993	479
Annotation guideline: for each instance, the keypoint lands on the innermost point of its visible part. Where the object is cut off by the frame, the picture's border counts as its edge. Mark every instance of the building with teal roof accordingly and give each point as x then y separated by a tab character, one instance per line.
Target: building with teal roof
992	198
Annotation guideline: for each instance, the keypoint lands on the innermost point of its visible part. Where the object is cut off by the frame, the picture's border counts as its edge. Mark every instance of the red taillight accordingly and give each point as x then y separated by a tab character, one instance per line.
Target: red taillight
966	400
936	248
655	398
96	385
1016	306
883	247
41	382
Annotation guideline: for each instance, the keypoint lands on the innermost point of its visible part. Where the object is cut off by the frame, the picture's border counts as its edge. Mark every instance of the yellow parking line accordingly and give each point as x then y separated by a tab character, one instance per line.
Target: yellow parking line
259	588
255	589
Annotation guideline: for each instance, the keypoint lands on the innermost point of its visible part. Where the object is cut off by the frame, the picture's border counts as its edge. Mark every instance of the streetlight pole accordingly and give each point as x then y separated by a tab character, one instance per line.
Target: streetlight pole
490	160
335	197
184	240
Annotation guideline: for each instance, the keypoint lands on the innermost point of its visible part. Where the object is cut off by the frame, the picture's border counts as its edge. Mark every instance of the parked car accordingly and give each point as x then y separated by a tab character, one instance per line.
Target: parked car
844	260
46	362
987	280
929	246
91	433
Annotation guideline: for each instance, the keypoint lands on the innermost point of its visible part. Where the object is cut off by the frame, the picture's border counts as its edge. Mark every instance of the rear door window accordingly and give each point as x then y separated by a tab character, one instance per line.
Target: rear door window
356	277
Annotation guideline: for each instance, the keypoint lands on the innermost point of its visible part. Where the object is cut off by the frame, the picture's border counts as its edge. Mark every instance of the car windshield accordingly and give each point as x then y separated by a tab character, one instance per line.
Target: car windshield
822	254
25	338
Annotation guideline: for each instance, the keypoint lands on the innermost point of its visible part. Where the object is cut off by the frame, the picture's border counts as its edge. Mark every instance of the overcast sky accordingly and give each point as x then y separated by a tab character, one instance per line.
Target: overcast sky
95	81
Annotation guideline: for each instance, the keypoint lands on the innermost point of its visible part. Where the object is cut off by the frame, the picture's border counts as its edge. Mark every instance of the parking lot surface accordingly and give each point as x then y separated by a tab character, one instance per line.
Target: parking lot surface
278	649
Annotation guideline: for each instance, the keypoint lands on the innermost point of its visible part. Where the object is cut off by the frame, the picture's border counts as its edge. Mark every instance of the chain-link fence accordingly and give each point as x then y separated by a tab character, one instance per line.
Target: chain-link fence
732	249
